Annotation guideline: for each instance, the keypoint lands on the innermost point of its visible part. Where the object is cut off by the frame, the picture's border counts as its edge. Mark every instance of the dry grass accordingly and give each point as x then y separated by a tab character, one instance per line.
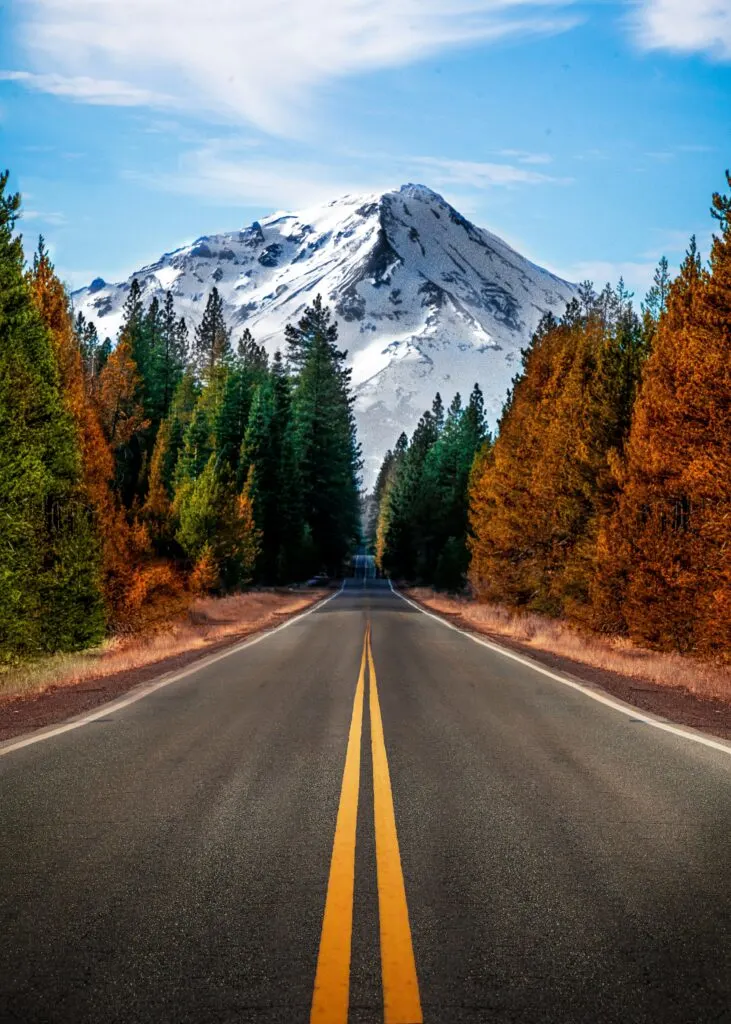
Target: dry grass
207	621
703	679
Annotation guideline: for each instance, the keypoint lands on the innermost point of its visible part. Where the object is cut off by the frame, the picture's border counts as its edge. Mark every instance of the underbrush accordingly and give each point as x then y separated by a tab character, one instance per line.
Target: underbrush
613	654
208	620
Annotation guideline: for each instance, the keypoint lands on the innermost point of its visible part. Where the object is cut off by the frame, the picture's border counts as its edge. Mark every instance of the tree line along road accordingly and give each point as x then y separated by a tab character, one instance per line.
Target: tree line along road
365	817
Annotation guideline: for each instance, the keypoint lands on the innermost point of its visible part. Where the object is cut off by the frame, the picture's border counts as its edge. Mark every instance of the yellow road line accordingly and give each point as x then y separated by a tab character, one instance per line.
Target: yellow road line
332	980
401	1003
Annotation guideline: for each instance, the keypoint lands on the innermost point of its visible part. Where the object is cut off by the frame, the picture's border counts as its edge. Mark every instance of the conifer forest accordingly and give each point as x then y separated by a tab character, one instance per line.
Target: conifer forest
139	470
605	497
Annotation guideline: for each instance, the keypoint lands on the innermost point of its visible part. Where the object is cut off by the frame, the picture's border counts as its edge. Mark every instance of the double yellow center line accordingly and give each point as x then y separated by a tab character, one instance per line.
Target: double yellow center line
401	1003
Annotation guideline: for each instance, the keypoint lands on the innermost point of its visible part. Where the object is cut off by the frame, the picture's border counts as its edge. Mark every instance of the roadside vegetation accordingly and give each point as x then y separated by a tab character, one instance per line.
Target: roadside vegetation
208	622
618	654
603	506
139	474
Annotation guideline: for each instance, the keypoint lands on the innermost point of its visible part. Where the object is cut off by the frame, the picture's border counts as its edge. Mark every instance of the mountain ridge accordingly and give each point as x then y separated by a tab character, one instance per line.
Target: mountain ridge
424	299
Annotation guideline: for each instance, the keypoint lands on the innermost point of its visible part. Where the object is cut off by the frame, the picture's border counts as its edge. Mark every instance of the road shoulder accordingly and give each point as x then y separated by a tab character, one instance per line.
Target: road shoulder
672	704
28	714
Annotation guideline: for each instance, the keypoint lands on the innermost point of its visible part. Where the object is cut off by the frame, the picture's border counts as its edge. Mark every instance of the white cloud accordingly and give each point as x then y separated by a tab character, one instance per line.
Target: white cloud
104	92
482	175
685	26
524	157
222	174
225	172
54	219
637	274
244	59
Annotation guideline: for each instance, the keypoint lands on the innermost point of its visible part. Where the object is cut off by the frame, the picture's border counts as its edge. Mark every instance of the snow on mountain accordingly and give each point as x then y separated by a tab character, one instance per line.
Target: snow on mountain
425	300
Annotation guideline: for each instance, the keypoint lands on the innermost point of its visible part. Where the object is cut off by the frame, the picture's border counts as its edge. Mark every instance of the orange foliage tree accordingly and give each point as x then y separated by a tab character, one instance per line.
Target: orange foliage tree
96	454
105	424
537	497
665	555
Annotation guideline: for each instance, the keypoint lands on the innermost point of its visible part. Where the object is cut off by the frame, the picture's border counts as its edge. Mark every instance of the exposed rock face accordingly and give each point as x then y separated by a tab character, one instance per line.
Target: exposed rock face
425	300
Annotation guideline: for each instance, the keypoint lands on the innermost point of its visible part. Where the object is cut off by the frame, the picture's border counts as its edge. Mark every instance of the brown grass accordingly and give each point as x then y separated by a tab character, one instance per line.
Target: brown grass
208	620
613	654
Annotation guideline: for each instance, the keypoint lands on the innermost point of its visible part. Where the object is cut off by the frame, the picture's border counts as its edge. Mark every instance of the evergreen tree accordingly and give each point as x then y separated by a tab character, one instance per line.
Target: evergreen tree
405	540
123	418
97	460
212	343
173	354
50	597
241	377
664	562
422	494
261	455
217	523
657	296
536	505
324	436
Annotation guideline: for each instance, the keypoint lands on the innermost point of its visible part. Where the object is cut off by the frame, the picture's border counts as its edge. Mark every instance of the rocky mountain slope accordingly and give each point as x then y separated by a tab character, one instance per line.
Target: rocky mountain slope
425	300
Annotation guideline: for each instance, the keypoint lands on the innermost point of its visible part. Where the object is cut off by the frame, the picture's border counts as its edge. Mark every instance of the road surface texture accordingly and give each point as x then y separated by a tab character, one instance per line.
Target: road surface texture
365	817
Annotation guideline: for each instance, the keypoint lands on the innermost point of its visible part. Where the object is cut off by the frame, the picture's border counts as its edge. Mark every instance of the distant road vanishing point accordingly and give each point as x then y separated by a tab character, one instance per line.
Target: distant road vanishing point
365	816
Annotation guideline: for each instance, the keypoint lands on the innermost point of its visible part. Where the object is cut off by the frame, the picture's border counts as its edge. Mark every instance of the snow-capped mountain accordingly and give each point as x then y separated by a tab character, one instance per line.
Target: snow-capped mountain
425	300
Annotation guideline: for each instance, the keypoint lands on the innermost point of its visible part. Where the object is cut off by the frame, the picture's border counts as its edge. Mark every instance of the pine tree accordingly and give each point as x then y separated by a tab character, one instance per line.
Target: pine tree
214	517
97	460
538	500
664	556
198	444
315	326
422	495
212	344
657	296
324	436
50	596
239	378
384	485
173	353
261	455
159	509
406	542
123	418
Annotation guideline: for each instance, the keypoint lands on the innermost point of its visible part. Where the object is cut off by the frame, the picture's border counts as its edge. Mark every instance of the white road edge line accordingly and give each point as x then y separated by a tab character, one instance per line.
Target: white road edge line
108	709
656	723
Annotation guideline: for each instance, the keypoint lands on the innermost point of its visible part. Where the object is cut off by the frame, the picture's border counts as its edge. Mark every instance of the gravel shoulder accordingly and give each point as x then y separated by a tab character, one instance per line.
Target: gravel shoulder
58	702
670	702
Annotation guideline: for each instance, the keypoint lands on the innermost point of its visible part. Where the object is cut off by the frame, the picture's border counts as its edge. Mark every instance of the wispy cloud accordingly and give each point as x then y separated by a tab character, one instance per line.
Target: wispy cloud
673	242
684	26
102	91
54	219
247	60
637	274
223	171
482	175
222	174
524	157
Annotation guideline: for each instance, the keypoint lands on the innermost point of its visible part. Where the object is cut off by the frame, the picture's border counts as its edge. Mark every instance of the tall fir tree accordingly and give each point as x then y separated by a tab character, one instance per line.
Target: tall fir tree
324	434
97	459
212	342
50	594
664	560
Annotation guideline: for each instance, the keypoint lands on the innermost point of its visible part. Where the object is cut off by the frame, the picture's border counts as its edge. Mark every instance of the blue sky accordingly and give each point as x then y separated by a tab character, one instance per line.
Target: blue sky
590	135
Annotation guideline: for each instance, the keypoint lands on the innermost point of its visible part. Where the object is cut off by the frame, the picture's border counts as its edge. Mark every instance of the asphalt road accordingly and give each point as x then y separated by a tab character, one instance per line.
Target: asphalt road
536	856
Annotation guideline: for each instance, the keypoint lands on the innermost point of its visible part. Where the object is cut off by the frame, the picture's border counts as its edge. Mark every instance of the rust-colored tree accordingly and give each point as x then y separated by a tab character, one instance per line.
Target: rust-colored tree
665	555
96	454
537	498
510	529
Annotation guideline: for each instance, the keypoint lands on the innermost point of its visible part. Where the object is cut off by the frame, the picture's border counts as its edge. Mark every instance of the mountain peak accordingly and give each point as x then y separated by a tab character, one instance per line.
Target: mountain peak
420	192
425	300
